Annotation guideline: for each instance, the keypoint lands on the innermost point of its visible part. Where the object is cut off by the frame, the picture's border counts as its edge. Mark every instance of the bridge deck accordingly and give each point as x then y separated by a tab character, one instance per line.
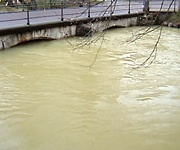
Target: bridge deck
18	19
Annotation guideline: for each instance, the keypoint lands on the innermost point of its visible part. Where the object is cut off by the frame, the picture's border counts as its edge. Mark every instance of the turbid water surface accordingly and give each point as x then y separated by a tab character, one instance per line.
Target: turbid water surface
50	99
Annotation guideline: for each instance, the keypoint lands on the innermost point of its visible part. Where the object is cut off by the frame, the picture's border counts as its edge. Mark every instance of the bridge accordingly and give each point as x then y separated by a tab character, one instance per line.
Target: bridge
26	25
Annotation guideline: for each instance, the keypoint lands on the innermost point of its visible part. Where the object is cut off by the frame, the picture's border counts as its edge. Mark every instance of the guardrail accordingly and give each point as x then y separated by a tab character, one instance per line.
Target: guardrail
164	5
38	13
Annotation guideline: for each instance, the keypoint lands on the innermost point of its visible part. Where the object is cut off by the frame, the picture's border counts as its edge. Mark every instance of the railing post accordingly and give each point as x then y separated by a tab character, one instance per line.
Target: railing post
174	5
146	6
129	9
178	6
89	9
111	8
28	21
62	6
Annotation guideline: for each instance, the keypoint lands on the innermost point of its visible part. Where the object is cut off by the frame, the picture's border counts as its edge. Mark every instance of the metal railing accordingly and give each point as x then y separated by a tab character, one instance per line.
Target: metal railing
38	13
167	5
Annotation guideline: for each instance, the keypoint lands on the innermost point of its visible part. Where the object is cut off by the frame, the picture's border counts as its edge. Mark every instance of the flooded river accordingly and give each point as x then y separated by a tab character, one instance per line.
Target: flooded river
50	99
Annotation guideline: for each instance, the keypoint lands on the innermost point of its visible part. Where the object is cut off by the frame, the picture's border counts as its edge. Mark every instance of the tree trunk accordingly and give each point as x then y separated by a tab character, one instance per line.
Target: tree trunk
9	3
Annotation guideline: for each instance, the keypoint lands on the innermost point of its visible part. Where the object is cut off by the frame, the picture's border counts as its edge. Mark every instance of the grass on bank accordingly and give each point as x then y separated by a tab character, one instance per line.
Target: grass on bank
4	8
175	18
45	4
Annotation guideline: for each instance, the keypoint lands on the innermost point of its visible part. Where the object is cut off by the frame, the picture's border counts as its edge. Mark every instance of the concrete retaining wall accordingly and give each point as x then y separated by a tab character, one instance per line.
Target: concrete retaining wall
8	41
58	30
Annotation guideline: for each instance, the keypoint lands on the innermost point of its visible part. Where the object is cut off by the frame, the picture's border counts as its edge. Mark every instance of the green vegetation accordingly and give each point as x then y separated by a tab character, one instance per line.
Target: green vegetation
175	18
4	8
42	4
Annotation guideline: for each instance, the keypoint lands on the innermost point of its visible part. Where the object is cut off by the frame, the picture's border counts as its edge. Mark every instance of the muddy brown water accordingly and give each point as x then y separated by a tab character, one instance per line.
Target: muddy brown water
51	99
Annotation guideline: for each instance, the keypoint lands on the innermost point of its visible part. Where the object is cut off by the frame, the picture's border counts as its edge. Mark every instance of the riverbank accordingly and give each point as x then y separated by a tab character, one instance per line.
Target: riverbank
173	21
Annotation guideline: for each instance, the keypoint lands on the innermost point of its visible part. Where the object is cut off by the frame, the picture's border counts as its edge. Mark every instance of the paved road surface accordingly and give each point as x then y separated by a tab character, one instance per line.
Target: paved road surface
9	20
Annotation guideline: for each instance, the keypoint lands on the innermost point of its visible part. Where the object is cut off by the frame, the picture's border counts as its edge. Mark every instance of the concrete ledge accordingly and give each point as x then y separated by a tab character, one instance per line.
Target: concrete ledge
32	27
56	30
